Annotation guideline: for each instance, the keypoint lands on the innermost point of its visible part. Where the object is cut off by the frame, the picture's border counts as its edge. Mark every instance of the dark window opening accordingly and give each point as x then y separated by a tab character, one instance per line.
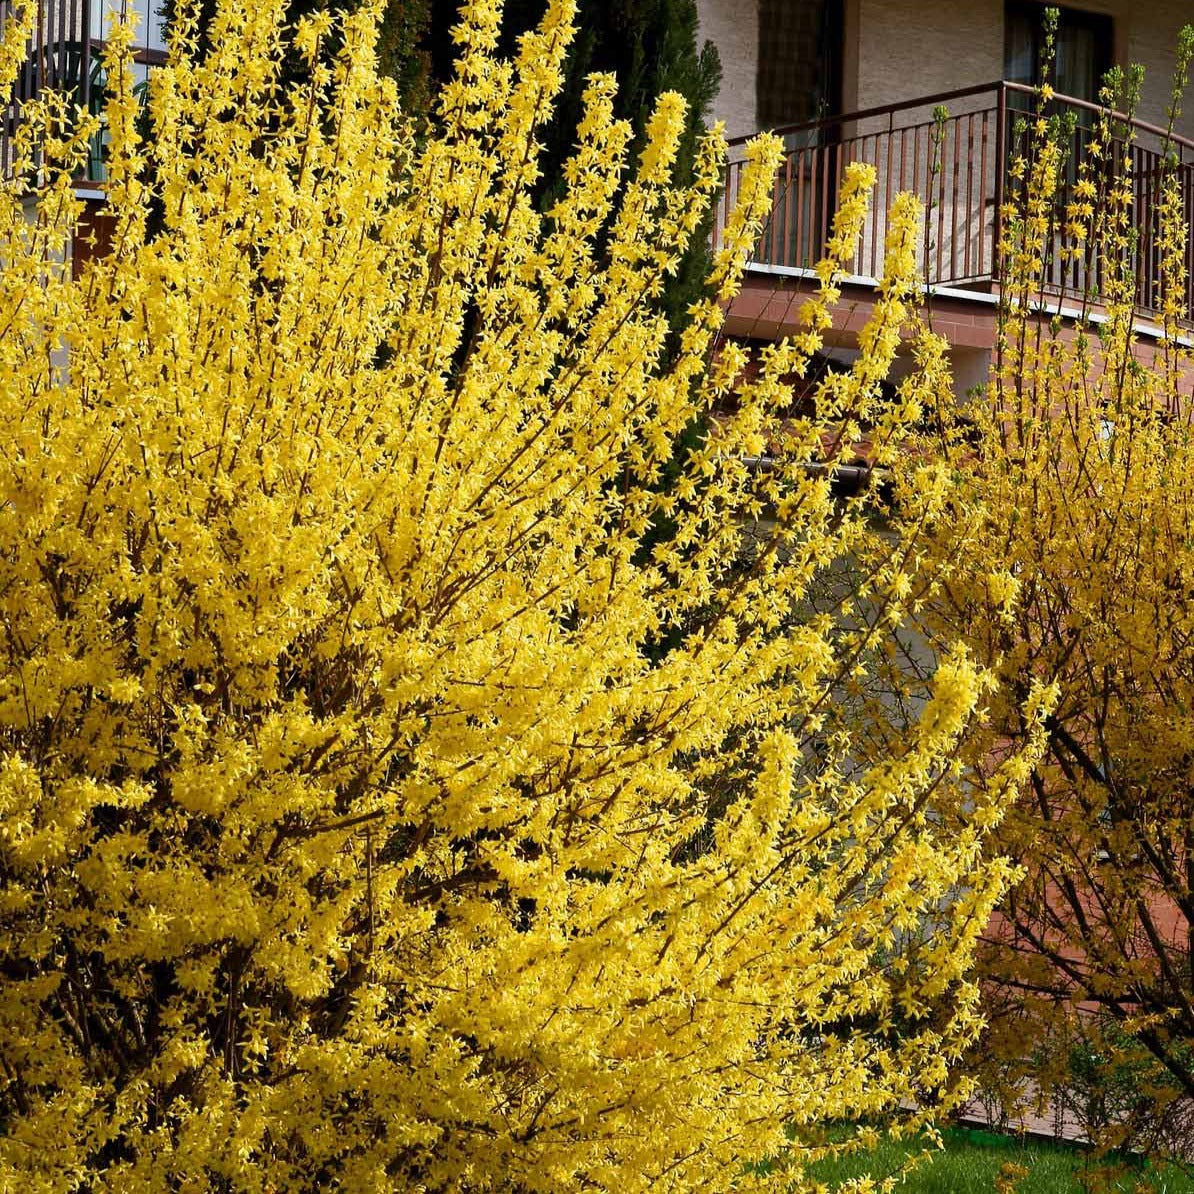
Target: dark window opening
1082	55
800	61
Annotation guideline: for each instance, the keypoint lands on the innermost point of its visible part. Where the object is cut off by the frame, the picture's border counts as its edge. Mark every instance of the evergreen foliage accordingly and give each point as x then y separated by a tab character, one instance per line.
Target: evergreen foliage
651	47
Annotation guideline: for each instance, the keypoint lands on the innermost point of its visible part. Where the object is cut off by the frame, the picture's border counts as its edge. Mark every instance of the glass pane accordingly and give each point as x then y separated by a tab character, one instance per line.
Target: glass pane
151	22
1020	49
1078	59
796	73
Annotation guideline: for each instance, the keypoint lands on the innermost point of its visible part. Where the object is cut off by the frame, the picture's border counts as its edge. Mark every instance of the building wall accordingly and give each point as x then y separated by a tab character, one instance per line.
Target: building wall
733	27
896	50
1149	36
907	48
910	48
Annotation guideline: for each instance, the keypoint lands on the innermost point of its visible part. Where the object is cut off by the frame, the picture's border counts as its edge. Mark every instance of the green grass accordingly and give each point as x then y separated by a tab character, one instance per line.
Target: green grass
972	1160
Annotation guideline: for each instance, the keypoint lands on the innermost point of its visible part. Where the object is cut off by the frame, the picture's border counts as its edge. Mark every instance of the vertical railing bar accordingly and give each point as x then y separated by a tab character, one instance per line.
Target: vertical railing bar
1000	182
787	209
878	201
1134	160
798	255
1145	250
775	222
1156	247
915	185
808	204
814	213
822	214
1133	175
51	43
59	42
818	248
31	72
942	151
41	44
725	204
63	48
77	37
26	86
85	57
1143	216
768	237
1153	181
719	208
968	205
953	221
887	195
835	184
72	45
982	198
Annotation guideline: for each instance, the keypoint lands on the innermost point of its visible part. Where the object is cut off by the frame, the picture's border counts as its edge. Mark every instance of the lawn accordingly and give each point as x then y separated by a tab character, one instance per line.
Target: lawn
972	1162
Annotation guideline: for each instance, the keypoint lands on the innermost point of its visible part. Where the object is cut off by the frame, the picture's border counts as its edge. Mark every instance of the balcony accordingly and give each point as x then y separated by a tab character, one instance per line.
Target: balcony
958	166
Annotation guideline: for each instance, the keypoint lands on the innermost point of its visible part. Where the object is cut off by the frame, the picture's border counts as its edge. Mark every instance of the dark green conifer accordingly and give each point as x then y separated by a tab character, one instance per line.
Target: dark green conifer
651	46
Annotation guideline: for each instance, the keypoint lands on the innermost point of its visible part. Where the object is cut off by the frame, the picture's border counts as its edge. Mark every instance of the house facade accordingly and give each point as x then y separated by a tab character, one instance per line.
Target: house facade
66	54
788	61
843	80
933	96
861	80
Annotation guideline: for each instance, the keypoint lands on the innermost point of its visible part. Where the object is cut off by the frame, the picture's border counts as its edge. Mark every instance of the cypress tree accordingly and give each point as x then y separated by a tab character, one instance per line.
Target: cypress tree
652	46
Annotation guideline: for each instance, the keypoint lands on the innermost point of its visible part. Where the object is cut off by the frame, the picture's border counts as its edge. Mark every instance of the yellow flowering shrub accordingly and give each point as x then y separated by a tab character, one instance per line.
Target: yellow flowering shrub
400	788
1071	562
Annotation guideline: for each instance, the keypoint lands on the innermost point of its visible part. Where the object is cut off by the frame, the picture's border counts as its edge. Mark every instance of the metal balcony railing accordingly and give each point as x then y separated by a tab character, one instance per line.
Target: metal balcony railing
958	166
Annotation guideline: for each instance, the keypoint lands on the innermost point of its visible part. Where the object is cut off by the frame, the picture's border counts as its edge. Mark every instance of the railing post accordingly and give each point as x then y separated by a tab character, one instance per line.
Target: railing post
85	55
1000	181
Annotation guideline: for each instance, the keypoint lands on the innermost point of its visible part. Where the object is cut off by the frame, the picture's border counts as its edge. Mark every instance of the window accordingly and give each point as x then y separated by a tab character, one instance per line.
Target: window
149	41
148	50
1082	55
800	48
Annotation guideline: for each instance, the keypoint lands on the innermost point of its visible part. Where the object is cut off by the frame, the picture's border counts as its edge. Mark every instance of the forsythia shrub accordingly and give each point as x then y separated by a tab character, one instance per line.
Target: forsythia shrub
387	802
1072	557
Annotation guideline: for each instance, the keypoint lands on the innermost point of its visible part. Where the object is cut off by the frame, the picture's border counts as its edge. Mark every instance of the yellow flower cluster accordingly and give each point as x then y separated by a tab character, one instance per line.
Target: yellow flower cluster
400	787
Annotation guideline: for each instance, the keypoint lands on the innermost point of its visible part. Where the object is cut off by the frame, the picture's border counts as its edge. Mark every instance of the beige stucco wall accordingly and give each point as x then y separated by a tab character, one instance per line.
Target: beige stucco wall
907	48
1149	36
733	27
910	48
